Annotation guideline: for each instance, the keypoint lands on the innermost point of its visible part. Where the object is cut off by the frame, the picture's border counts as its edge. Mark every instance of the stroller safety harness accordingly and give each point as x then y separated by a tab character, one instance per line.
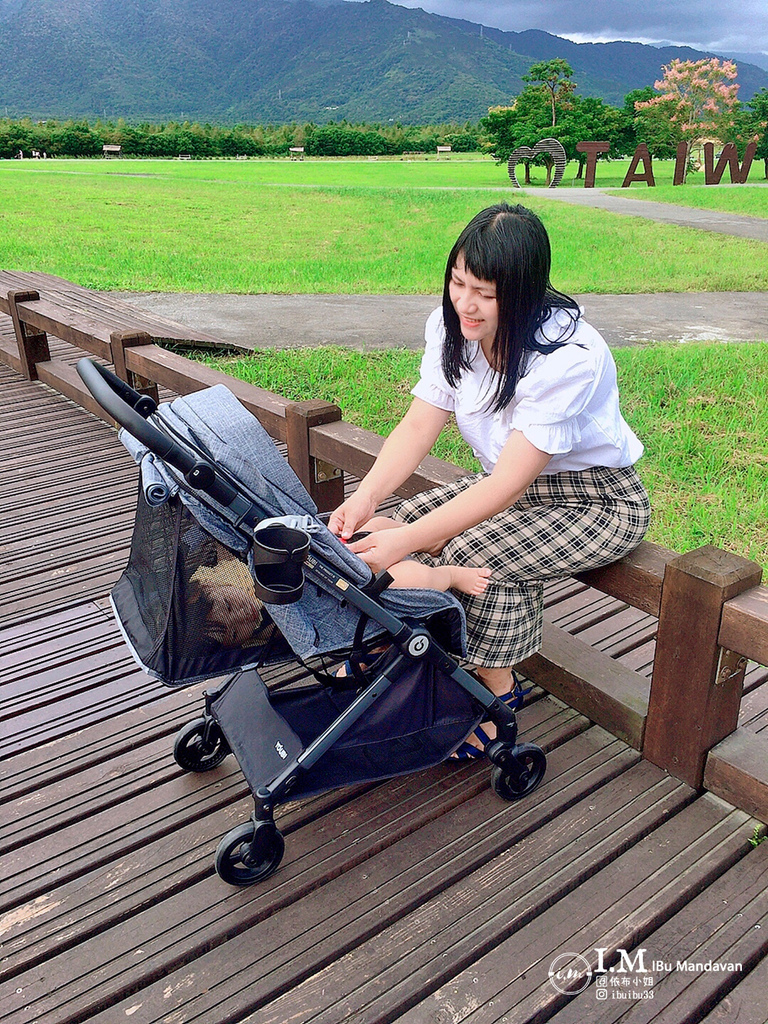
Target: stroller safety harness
231	569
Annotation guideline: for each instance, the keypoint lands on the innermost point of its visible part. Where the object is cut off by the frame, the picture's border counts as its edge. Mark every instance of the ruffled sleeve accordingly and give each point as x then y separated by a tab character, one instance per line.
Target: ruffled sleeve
432	386
552	395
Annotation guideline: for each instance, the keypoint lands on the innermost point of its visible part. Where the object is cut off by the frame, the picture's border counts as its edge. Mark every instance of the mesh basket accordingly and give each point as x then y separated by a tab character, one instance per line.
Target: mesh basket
186	604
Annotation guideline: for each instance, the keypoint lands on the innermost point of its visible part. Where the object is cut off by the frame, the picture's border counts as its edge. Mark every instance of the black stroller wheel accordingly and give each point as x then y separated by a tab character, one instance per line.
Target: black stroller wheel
249	853
200	746
518	781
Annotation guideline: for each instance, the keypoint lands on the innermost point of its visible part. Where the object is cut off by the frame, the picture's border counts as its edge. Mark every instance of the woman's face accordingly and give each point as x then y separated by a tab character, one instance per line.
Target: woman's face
475	304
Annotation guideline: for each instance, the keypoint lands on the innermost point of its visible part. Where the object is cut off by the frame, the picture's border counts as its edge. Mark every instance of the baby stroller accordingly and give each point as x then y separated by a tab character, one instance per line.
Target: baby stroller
232	569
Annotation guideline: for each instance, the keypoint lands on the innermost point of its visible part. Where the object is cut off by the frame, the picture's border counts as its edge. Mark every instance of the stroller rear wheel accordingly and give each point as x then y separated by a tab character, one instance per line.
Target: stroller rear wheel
523	776
200	746
249	853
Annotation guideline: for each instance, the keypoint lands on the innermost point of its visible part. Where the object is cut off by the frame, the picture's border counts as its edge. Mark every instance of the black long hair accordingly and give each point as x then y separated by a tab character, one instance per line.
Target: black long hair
509	246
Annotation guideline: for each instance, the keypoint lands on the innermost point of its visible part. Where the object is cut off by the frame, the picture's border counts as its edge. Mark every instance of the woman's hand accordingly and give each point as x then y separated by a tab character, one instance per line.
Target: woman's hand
383	548
351	514
400	454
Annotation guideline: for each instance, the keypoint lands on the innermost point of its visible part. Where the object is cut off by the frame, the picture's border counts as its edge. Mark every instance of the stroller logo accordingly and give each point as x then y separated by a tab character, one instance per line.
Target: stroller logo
570	973
281	750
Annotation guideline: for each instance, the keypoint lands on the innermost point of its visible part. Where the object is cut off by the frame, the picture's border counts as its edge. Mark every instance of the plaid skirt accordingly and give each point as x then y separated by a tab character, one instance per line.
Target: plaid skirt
564	523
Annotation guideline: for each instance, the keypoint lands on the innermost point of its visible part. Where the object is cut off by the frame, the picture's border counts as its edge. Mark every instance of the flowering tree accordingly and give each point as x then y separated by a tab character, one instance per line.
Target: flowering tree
698	96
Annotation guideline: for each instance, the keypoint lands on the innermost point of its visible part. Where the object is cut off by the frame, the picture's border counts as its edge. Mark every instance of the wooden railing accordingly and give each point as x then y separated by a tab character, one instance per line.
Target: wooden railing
712	611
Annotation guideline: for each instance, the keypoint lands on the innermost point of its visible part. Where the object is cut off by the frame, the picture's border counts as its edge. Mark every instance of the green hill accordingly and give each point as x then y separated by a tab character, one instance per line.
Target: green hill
280	61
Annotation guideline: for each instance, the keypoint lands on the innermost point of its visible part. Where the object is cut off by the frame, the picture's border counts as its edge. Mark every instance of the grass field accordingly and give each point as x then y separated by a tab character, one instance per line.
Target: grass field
470	170
379	226
699	410
747	200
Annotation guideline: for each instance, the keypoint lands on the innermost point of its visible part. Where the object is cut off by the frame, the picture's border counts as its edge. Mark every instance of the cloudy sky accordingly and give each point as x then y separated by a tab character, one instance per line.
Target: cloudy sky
715	25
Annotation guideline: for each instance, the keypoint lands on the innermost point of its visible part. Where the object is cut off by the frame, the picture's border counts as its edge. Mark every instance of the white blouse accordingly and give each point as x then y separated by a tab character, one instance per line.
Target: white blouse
566	404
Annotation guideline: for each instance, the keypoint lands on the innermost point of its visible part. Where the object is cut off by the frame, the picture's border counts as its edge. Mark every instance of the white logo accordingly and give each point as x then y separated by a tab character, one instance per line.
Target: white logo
418	646
570	973
281	750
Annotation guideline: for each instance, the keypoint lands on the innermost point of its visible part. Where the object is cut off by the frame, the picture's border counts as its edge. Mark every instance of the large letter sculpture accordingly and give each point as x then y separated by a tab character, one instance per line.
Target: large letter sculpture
641	156
549	146
592	149
729	156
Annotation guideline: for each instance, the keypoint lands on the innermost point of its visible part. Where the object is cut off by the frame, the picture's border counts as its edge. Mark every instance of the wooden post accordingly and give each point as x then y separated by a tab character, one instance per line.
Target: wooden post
696	685
33	345
119	341
324	482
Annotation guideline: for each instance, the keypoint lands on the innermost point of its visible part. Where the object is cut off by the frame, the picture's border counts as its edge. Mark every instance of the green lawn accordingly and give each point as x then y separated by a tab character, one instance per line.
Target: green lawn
748	200
379	226
699	409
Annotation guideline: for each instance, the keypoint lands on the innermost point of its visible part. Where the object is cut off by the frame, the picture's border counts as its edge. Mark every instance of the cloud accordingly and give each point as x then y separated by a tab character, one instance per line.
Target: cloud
719	27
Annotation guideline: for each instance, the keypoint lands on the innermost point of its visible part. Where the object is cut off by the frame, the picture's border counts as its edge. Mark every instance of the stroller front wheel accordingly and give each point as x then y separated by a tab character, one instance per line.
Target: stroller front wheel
523	776
200	746
249	853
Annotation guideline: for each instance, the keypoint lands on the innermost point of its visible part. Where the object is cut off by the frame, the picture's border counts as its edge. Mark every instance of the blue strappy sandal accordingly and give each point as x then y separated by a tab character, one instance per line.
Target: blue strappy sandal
514	700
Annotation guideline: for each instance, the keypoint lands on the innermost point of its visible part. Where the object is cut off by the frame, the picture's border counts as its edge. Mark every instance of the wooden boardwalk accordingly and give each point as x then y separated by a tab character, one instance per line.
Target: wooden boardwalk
424	900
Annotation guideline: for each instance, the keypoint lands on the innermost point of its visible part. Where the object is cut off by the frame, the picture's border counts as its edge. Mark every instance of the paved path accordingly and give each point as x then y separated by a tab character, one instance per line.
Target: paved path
667	213
372	322
383	321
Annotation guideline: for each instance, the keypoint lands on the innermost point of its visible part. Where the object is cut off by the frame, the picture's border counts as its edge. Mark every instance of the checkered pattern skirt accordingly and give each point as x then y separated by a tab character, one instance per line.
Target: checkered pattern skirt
564	523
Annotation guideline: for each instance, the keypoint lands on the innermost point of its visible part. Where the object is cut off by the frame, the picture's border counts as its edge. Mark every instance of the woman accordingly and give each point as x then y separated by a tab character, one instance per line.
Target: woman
533	389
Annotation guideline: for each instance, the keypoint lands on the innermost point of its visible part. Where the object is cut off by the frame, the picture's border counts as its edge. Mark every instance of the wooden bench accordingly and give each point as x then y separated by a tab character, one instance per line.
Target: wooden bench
40	305
712	612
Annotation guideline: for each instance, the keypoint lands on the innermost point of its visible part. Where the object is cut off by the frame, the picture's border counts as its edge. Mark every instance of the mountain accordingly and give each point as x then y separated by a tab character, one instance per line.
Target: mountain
276	61
611	70
760	59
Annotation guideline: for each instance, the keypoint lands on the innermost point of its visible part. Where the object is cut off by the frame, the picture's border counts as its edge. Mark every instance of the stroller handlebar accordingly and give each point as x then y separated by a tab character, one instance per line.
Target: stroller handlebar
129	408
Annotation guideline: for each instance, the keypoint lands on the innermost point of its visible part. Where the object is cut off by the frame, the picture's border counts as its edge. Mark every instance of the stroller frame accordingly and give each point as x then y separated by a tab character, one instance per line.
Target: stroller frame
252	851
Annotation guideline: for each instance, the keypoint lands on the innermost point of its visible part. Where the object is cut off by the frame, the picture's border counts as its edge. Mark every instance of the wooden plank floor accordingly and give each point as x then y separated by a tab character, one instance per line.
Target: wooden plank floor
423	899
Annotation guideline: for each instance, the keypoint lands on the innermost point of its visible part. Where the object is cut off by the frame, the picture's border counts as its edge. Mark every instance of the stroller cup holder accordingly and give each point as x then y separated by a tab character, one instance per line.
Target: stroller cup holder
279	553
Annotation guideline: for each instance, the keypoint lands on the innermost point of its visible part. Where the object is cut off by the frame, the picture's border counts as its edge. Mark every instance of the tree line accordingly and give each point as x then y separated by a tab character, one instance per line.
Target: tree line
82	138
694	101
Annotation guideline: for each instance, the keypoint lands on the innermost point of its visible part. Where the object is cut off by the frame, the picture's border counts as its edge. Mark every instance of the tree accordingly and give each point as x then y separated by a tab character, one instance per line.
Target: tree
521	124
697	98
528	122
757	125
525	123
656	126
16	136
553	77
76	138
588	120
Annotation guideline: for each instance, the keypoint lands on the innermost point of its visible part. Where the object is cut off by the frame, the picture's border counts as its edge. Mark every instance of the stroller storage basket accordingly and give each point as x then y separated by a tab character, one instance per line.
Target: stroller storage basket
230	569
414	725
